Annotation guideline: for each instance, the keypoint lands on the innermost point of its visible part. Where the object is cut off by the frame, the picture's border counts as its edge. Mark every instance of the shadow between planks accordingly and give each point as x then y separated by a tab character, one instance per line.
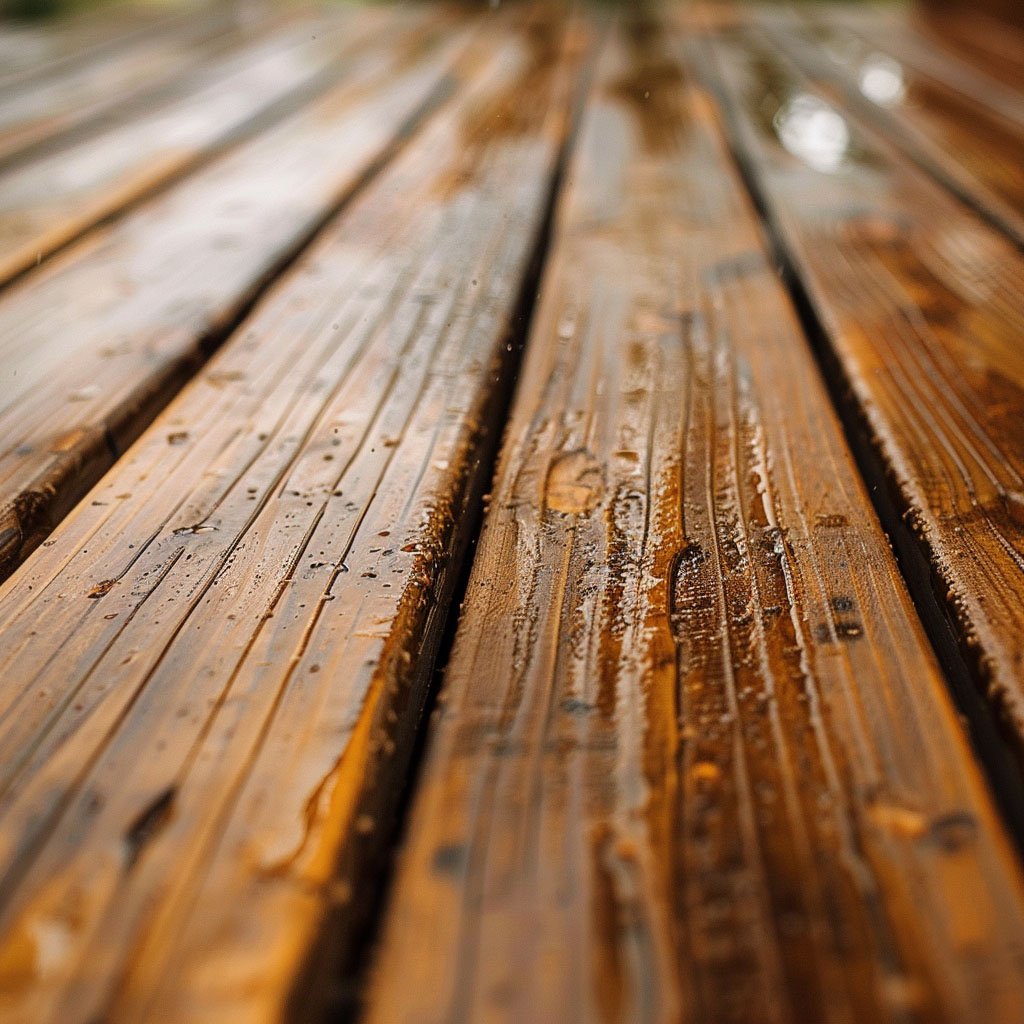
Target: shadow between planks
97	341
905	835
694	758
310	501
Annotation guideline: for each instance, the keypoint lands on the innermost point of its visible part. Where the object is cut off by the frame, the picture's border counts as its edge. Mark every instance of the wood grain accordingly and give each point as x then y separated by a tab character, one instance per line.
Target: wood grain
963	136
923	308
694	760
211	676
52	200
93	344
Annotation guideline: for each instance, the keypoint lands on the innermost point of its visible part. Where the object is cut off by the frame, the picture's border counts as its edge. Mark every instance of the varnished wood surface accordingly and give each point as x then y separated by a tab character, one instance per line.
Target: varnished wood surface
93	344
923	306
206	710
693	759
49	201
969	137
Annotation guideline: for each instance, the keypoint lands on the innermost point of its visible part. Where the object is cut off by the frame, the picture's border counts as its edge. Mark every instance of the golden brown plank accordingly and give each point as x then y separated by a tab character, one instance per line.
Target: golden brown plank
694	760
923	307
50	201
37	110
210	679
94	344
962	136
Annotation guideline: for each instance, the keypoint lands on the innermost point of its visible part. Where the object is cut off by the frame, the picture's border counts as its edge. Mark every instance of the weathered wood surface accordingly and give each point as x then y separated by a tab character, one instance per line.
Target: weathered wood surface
47	202
964	136
37	110
693	759
211	674
32	52
92	345
923	307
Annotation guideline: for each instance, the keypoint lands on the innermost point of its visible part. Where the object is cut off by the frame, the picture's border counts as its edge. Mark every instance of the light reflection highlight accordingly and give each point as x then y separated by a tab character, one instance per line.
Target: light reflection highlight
813	132
881	80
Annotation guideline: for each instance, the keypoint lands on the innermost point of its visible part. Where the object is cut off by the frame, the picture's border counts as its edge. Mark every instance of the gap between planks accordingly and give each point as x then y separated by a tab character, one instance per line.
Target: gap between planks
97	341
290	600
926	368
694	758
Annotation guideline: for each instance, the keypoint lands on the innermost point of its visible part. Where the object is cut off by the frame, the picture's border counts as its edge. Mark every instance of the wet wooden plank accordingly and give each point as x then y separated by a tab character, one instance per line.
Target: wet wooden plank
50	201
923	308
987	45
93	344
903	31
35	111
32	52
693	759
970	142
211	677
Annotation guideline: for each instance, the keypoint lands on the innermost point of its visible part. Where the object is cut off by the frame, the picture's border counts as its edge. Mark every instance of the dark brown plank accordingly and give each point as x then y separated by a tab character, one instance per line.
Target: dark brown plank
986	44
197	778
50	201
92	345
974	145
923	309
694	760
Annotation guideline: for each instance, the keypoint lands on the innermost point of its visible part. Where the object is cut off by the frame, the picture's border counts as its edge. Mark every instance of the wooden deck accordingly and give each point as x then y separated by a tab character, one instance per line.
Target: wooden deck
512	514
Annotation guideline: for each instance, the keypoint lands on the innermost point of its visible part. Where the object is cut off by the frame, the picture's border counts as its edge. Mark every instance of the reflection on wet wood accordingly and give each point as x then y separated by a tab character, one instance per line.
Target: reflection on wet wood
206	710
962	138
924	309
693	759
94	344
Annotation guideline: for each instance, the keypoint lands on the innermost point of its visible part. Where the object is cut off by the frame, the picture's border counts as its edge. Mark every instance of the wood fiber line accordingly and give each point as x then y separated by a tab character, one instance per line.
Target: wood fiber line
42	109
50	201
693	758
961	140
95	343
212	675
923	309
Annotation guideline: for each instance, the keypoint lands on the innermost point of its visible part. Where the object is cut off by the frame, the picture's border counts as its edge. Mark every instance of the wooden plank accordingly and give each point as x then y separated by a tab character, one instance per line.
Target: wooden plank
922	307
896	30
31	52
966	144
990	46
39	110
693	759
197	778
93	344
51	201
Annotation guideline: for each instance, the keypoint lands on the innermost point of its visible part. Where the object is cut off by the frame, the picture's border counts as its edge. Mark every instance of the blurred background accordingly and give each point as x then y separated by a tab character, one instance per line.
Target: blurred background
38	10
